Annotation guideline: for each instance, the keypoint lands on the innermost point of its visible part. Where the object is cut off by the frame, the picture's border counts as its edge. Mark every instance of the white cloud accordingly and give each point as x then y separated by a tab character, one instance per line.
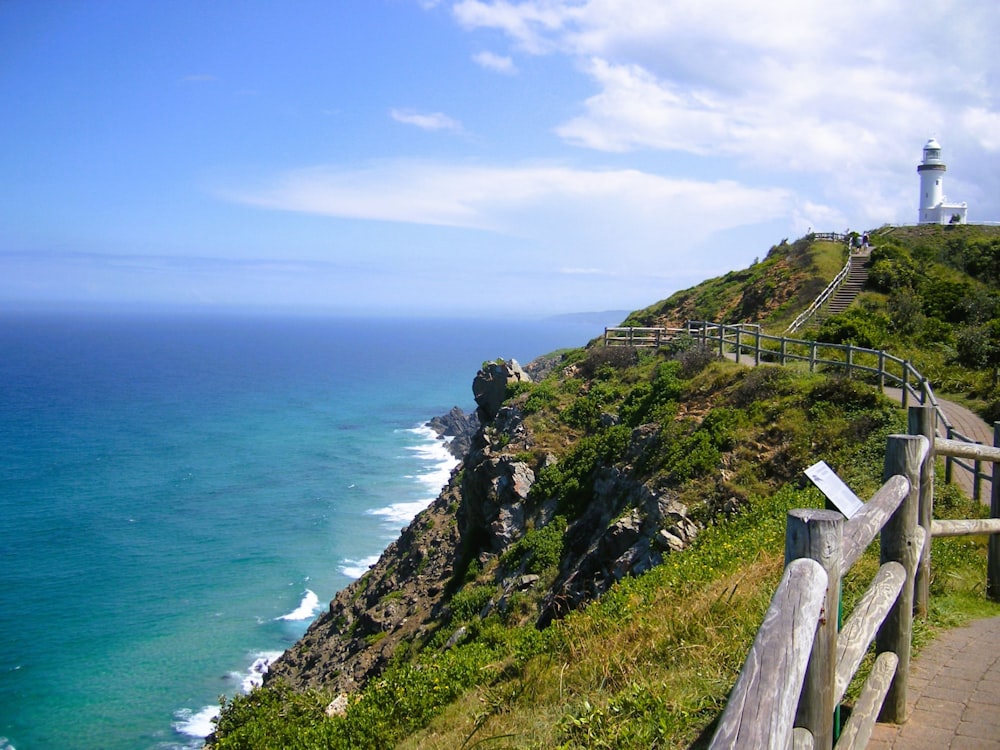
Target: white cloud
984	126
492	61
563	217
846	92
426	120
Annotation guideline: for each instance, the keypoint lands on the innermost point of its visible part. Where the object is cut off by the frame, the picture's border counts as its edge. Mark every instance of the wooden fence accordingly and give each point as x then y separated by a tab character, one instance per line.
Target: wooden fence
800	664
746	341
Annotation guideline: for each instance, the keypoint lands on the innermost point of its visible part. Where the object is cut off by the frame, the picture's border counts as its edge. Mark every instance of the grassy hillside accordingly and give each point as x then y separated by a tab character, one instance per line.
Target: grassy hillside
649	662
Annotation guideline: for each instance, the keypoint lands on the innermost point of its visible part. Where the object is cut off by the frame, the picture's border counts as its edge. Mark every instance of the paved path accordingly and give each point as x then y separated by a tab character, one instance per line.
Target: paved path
953	696
969	424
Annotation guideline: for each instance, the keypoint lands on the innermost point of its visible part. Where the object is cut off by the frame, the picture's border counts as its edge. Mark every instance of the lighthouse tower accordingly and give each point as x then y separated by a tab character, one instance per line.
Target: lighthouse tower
934	208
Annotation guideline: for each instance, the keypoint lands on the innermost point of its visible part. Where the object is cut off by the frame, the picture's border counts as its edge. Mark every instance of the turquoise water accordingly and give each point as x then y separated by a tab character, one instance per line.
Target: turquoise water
180	496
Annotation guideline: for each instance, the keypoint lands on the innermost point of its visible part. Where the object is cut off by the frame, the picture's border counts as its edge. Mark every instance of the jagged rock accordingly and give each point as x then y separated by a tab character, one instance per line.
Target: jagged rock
489	387
458	426
493	496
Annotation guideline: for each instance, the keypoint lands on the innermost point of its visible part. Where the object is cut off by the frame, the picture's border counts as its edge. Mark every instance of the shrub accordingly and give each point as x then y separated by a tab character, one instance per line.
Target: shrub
540	548
608	357
470	601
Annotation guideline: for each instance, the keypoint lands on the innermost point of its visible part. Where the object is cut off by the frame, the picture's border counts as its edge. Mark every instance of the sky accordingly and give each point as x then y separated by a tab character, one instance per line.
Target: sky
469	157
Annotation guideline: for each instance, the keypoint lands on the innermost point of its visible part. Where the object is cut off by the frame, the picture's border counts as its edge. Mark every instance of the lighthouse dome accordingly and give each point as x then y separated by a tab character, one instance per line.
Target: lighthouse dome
932	154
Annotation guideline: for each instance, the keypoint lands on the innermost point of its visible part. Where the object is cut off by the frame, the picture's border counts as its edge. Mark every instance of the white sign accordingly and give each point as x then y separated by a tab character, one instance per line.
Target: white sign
834	488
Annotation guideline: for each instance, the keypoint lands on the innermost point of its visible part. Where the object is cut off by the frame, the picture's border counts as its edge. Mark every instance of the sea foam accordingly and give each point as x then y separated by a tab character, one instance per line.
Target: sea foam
198	725
306	610
357	568
433	451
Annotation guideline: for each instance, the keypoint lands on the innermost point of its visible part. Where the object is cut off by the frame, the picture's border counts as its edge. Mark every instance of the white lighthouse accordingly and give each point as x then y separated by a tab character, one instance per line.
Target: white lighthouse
934	206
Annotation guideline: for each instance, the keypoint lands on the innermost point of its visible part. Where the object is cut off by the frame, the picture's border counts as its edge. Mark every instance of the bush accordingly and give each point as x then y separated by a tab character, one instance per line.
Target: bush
470	602
541	548
614	357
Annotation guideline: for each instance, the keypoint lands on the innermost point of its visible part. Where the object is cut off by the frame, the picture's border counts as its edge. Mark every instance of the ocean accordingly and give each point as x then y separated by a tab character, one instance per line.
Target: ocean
181	495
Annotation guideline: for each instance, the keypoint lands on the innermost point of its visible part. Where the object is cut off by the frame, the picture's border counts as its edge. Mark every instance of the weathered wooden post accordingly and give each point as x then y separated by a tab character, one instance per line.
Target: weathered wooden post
739	330
817	535
905	400
993	554
881	369
784	348
812	356
949	430
898	543
756	347
923	421
977	468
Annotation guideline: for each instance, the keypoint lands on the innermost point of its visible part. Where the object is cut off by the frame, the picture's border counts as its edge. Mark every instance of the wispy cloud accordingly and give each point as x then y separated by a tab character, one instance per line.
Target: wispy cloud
498	63
583	218
200	78
426	120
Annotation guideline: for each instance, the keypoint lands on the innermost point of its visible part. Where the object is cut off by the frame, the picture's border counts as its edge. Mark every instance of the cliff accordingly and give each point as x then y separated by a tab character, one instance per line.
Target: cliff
596	567
479	522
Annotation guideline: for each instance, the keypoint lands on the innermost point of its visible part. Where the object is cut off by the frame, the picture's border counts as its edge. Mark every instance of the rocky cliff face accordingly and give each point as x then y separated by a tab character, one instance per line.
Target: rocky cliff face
476	523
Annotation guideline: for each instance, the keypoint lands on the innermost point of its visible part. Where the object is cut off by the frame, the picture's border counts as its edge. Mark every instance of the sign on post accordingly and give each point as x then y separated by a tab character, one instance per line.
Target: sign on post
834	488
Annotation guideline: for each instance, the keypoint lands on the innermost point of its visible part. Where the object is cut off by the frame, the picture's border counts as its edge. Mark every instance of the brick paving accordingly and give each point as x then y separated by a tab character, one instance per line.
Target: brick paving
953	698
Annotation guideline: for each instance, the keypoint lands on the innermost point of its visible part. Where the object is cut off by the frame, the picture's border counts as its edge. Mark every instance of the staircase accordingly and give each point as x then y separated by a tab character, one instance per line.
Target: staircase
852	286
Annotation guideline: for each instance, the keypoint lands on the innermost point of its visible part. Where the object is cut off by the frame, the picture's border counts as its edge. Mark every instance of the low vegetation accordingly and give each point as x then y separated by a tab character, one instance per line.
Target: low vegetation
649	663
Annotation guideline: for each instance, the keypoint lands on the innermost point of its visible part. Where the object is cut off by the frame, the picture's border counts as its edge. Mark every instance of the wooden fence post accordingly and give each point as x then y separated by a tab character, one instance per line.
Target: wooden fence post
948	430
784	347
881	369
817	535
905	401
899	544
993	555
812	356
923	421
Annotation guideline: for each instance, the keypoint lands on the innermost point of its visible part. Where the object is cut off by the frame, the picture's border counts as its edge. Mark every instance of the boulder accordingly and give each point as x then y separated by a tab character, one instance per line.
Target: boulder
489	387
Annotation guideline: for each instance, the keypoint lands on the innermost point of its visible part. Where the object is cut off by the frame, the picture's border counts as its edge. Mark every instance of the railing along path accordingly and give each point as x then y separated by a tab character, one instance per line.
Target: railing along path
801	664
747	342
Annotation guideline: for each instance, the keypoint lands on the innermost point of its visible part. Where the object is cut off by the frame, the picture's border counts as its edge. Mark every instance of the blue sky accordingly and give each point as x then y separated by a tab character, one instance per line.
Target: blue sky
471	157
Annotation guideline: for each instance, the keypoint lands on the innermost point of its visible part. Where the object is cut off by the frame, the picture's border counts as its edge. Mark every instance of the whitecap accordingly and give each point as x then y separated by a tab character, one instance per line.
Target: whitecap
357	568
306	610
254	677
196	724
400	513
434	452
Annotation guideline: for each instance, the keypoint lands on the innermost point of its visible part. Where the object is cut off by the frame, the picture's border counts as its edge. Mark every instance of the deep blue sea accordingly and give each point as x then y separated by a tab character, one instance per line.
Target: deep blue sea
180	496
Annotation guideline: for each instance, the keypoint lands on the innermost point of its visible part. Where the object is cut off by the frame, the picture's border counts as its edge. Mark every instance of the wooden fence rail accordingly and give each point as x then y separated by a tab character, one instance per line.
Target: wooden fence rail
883	369
760	713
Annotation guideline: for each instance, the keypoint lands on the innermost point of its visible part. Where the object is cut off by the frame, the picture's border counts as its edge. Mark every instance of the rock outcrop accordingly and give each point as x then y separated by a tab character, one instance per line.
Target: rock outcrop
489	387
458	428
